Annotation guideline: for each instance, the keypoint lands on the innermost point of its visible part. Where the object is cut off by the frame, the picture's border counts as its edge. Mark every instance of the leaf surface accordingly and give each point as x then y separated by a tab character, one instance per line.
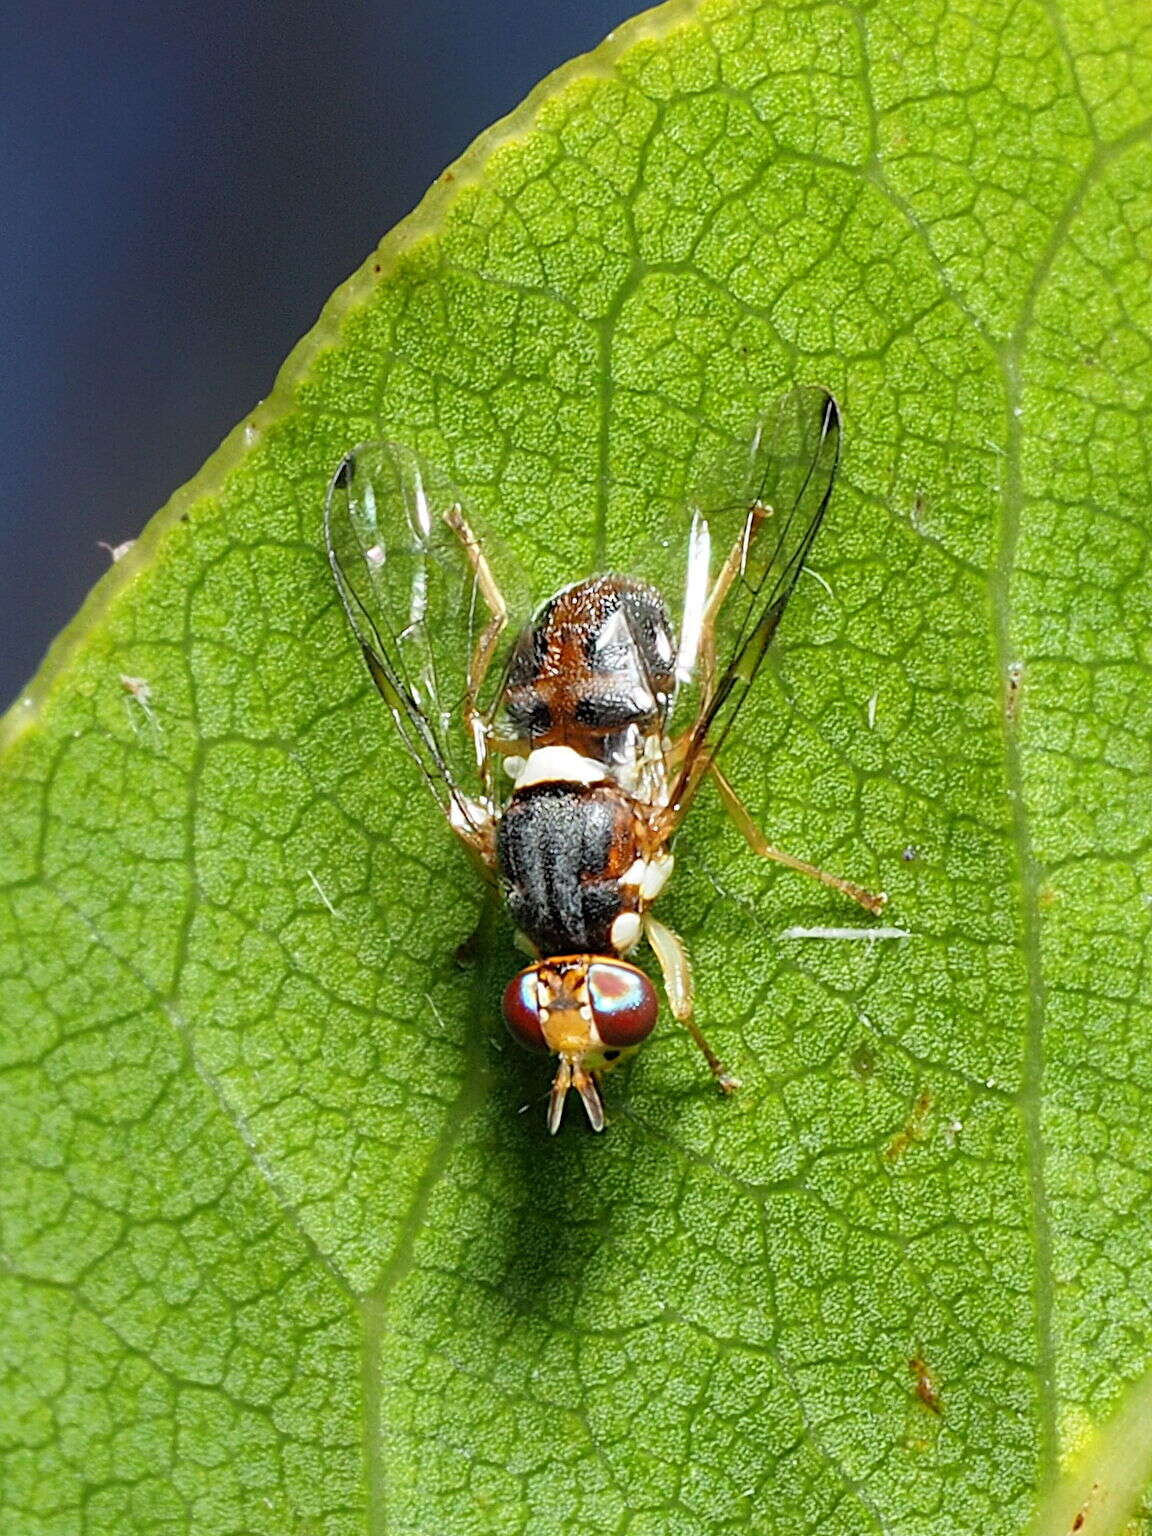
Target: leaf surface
280	1255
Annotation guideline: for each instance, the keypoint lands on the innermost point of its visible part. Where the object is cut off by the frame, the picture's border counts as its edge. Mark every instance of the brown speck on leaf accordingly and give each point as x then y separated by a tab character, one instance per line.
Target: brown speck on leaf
1014	683
926	1388
1082	1512
912	1129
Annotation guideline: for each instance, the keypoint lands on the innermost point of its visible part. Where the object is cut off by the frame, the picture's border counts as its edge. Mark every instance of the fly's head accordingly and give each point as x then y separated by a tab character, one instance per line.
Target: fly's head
588	1010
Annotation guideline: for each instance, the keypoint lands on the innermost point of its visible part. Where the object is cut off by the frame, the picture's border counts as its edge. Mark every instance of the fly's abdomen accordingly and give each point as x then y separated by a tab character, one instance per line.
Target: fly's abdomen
595	668
562	849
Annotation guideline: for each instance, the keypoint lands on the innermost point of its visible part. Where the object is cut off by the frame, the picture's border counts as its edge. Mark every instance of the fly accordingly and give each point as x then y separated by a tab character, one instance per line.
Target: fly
566	750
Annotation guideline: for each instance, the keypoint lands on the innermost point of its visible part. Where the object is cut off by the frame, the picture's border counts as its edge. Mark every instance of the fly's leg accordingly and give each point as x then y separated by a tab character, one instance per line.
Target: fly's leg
686	749
489	591
732	568
489	636
690	747
673	958
759	844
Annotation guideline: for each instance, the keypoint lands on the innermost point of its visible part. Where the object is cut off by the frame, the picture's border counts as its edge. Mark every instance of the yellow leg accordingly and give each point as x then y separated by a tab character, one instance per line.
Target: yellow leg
760	845
733	567
673	958
488	638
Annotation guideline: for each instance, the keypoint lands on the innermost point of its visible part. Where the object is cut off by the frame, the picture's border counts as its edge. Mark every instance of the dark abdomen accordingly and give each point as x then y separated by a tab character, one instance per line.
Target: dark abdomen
595	668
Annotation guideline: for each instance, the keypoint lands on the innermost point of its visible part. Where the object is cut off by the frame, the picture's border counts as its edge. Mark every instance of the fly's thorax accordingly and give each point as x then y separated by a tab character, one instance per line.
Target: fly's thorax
639	764
649	876
576	856
635	761
567	838
558	765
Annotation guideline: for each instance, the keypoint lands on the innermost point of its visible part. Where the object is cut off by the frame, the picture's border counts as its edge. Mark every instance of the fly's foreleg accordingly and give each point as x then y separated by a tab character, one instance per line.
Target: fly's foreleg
760	845
677	972
489	637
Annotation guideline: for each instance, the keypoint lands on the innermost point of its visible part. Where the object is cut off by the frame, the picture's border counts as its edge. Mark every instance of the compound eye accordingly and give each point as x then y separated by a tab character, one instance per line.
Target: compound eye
623	1003
522	1012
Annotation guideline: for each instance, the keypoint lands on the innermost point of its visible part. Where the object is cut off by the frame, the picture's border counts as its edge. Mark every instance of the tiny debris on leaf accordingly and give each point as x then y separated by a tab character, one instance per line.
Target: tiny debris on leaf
868	934
116	551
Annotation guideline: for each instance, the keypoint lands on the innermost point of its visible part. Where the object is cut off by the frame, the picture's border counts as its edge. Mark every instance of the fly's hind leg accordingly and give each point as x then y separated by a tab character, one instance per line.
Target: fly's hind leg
489	591
729	572
673	958
760	845
489	636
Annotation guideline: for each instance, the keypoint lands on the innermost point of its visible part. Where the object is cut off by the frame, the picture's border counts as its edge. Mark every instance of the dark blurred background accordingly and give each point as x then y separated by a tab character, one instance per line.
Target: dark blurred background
181	187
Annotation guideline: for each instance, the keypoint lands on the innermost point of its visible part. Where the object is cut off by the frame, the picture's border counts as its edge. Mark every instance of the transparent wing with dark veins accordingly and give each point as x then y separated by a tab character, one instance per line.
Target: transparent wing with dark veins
754	540
414	603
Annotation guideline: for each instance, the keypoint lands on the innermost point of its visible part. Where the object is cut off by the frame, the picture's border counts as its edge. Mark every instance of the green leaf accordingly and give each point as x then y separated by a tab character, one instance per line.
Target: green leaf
280	1255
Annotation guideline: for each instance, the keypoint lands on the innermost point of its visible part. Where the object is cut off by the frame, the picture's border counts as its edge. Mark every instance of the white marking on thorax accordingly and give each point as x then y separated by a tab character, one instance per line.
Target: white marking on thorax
625	933
656	876
560	765
649	875
640	767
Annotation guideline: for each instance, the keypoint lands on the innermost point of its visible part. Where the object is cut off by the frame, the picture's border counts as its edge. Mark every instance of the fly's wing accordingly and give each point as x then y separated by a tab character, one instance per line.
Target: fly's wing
752	529
416	592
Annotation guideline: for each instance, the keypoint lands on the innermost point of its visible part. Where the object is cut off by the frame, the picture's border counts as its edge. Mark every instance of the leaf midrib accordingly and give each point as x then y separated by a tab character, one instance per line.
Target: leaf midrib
1012	358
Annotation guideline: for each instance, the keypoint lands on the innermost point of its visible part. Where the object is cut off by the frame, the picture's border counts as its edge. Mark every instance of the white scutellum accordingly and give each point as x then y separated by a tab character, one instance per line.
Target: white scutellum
560	765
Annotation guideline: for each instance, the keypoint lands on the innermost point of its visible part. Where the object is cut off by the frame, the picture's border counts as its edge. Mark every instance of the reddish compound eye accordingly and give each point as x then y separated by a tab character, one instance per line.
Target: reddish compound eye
623	1003
521	1012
